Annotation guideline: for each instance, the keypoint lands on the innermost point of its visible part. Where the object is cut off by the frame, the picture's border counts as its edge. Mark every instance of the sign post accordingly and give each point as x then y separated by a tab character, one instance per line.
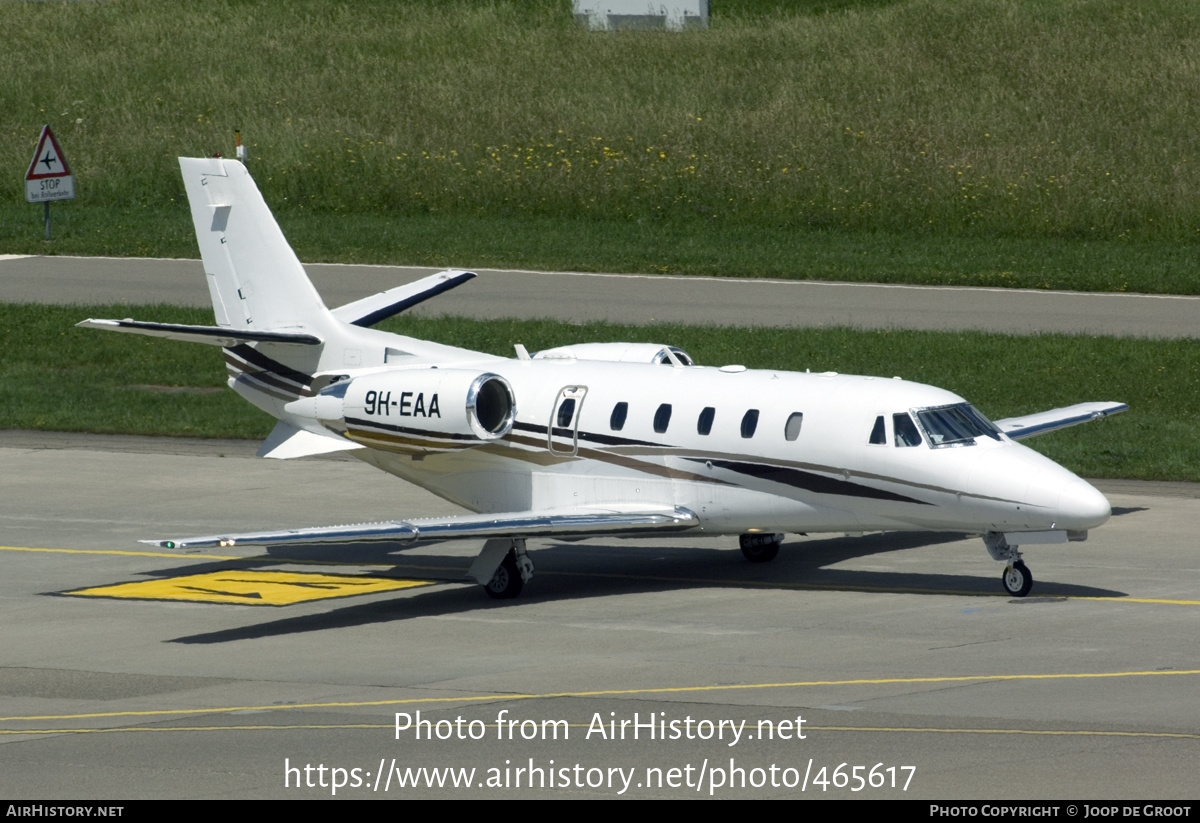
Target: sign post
49	177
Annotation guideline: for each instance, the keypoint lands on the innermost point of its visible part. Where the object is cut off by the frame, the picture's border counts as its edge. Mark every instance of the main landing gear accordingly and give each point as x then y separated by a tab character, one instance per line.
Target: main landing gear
760	548
502	567
1017	579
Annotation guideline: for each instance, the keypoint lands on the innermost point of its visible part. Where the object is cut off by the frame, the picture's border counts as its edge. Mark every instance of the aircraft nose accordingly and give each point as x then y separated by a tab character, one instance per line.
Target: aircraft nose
1081	507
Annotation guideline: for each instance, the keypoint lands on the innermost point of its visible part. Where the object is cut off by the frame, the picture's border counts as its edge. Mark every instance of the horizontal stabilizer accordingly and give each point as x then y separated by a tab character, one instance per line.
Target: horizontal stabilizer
213	335
378	307
1018	428
432	529
286	442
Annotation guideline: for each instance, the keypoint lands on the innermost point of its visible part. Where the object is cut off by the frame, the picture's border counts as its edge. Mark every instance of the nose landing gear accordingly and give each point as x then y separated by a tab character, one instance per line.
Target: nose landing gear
1016	579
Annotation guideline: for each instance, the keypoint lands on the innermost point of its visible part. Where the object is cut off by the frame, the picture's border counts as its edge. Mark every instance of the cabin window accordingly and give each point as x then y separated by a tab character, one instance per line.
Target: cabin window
704	424
791	429
749	423
617	421
566	412
878	434
956	425
662	418
906	430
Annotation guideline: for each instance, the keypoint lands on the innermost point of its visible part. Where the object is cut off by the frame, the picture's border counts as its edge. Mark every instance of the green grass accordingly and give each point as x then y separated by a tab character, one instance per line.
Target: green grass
59	377
1048	129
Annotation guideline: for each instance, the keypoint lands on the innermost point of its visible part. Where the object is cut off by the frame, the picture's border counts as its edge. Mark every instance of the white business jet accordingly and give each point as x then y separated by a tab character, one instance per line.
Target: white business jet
603	439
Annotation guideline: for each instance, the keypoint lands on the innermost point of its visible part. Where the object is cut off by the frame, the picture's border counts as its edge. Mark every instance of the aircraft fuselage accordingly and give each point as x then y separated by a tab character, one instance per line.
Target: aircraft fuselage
746	450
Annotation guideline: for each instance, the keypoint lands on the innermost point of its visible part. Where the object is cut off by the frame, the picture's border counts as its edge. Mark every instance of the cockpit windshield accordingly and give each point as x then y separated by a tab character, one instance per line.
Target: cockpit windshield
954	425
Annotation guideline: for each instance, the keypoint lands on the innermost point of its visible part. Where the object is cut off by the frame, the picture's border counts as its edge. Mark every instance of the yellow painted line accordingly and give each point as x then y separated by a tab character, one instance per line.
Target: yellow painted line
254	588
499	697
1142	600
807	727
118	552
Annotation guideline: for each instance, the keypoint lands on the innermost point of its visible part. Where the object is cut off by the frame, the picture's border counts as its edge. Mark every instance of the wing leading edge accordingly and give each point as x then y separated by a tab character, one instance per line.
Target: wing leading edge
478	526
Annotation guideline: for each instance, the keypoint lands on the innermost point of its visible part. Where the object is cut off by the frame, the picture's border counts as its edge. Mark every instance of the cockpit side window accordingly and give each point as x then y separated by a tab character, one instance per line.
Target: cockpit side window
878	433
906	430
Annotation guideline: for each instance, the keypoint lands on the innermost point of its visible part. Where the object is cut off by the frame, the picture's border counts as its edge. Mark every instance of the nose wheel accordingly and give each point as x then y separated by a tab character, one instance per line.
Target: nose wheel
1017	579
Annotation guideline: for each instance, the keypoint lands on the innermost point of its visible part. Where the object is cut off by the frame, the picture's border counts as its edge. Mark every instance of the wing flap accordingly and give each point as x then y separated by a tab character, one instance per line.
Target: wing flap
1031	425
573	523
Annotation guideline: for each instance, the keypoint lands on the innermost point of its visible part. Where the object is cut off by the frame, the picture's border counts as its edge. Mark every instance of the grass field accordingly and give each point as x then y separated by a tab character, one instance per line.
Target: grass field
124	383
984	141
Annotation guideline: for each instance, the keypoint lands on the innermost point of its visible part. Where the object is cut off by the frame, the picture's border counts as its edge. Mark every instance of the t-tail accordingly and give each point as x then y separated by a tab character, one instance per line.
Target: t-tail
281	343
255	279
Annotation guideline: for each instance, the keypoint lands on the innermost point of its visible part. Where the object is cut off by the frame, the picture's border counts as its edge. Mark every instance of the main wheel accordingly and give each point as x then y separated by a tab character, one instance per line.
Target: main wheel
1017	579
759	548
506	583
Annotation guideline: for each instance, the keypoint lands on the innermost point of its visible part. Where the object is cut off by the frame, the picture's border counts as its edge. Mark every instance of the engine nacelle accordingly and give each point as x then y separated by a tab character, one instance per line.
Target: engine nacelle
419	410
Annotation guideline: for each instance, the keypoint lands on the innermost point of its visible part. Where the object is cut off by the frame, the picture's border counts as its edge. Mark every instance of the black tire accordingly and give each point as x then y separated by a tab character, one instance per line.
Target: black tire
1017	580
506	583
757	550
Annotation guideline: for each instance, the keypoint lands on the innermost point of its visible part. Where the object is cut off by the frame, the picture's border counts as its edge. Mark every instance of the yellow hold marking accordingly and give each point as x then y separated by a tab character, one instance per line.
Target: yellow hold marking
251	588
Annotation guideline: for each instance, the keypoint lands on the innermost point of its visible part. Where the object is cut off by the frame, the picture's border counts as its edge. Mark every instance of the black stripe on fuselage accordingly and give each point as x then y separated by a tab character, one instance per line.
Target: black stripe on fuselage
375	424
266	379
810	481
797	478
256	383
591	437
273	367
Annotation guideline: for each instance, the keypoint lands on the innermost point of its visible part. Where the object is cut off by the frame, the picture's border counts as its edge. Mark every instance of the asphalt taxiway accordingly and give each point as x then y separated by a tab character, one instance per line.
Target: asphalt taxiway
897	651
580	297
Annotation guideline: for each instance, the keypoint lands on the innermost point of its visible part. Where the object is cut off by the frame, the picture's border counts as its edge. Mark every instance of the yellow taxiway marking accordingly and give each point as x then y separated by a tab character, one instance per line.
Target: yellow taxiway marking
500	697
253	588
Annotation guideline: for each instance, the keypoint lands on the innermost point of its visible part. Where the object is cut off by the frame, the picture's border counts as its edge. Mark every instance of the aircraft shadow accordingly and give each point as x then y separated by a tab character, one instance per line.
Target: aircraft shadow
573	572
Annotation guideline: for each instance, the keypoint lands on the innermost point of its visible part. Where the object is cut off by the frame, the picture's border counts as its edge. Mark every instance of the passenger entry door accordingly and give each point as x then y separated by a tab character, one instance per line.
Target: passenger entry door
563	431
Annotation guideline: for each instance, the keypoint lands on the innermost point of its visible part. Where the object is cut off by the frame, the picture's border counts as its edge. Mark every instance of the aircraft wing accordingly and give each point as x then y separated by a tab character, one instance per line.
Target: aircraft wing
1018	428
569	524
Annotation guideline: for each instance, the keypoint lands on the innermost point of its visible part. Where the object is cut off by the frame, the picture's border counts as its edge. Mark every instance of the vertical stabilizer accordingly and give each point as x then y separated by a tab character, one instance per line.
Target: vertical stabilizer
254	277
